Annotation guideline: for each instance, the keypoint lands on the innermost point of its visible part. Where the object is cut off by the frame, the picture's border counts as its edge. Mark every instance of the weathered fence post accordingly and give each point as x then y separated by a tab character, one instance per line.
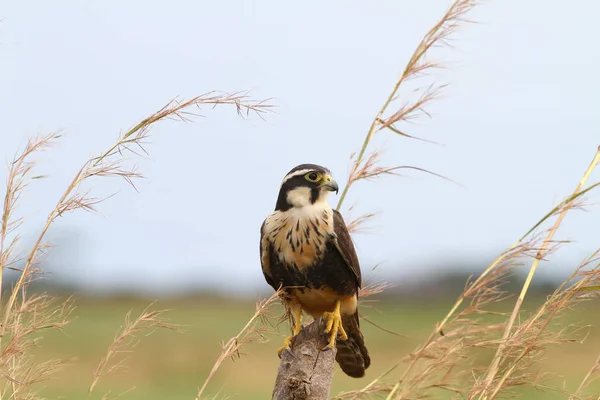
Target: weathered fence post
306	371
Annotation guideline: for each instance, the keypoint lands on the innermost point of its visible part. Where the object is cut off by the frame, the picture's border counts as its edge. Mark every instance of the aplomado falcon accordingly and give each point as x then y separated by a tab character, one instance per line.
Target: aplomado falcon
305	249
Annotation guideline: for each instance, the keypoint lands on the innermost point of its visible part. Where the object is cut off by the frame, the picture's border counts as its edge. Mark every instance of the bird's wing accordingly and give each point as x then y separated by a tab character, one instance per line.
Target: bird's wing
344	244
265	256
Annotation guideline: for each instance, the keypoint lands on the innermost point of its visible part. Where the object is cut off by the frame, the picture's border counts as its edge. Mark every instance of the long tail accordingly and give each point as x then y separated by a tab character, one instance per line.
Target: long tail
352	355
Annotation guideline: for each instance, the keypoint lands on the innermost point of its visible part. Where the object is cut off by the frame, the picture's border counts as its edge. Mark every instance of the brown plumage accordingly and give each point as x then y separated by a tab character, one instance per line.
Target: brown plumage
306	249
352	355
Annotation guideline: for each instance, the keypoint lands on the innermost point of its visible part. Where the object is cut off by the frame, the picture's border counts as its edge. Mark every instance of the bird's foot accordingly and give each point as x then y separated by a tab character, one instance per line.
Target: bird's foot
334	326
286	345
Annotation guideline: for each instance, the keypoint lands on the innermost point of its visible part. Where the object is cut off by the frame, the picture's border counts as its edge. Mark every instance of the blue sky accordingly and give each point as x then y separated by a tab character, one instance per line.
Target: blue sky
517	126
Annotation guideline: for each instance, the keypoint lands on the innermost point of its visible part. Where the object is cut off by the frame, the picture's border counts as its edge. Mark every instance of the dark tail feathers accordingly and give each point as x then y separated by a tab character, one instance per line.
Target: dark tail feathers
352	355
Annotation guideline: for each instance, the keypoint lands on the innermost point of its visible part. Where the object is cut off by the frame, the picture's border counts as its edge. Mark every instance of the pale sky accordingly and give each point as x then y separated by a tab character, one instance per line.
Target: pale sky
519	125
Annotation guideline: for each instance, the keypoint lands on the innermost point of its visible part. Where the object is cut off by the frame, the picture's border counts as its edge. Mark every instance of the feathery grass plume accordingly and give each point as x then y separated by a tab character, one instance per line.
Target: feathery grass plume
373	289
450	359
531	337
32	316
502	348
19	173
367	166
25	315
440	363
21	329
144	325
255	330
356	225
364	301
111	163
369	290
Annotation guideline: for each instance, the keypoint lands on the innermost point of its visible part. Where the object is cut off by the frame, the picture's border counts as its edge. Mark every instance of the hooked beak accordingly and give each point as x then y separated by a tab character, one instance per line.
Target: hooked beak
329	184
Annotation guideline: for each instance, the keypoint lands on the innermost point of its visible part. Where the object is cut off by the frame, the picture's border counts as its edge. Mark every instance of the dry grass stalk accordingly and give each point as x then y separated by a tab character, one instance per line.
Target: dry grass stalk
25	315
356	225
18	178
530	337
144	325
442	361
21	329
372	289
493	370
111	163
445	360
32	316
366	167
255	330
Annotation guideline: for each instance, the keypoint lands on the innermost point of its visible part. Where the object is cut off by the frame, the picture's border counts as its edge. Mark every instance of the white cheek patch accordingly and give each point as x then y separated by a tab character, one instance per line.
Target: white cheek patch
299	197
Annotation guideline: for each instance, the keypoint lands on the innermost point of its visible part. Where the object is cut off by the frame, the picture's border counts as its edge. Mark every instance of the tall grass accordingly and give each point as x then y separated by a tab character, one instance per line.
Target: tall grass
484	322
444	361
444	365
25	315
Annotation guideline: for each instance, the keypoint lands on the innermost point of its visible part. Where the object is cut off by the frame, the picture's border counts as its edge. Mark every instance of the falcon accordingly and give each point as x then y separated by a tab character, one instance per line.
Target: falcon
306	250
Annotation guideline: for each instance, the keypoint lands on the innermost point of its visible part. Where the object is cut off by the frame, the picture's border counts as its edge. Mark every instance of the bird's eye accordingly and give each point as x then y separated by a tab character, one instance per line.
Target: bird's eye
312	176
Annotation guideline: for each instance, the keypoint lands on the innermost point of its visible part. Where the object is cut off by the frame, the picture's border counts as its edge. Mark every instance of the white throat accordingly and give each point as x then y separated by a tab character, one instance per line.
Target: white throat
299	234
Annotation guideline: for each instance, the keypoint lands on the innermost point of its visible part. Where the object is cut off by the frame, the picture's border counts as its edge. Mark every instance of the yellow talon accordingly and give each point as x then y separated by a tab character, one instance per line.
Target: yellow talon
334	325
286	345
287	342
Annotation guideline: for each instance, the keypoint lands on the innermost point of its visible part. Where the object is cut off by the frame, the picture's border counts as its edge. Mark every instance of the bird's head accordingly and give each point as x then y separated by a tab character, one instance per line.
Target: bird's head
304	185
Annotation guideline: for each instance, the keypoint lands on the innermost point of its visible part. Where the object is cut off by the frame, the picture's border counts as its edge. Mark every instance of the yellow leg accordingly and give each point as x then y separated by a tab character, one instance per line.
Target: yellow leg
334	325
297	328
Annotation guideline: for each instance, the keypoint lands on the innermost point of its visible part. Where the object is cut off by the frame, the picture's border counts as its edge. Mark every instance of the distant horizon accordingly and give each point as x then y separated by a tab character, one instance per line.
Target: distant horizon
54	279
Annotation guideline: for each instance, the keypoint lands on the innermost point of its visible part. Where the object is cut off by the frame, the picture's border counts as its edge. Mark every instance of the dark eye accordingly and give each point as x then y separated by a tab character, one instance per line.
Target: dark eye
312	176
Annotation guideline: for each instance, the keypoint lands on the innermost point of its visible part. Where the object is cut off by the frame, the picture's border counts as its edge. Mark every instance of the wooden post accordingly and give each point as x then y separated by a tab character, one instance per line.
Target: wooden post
306	370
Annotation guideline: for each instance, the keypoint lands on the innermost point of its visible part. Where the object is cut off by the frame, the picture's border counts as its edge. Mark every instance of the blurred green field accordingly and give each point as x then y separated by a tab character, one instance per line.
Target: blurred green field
172	365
